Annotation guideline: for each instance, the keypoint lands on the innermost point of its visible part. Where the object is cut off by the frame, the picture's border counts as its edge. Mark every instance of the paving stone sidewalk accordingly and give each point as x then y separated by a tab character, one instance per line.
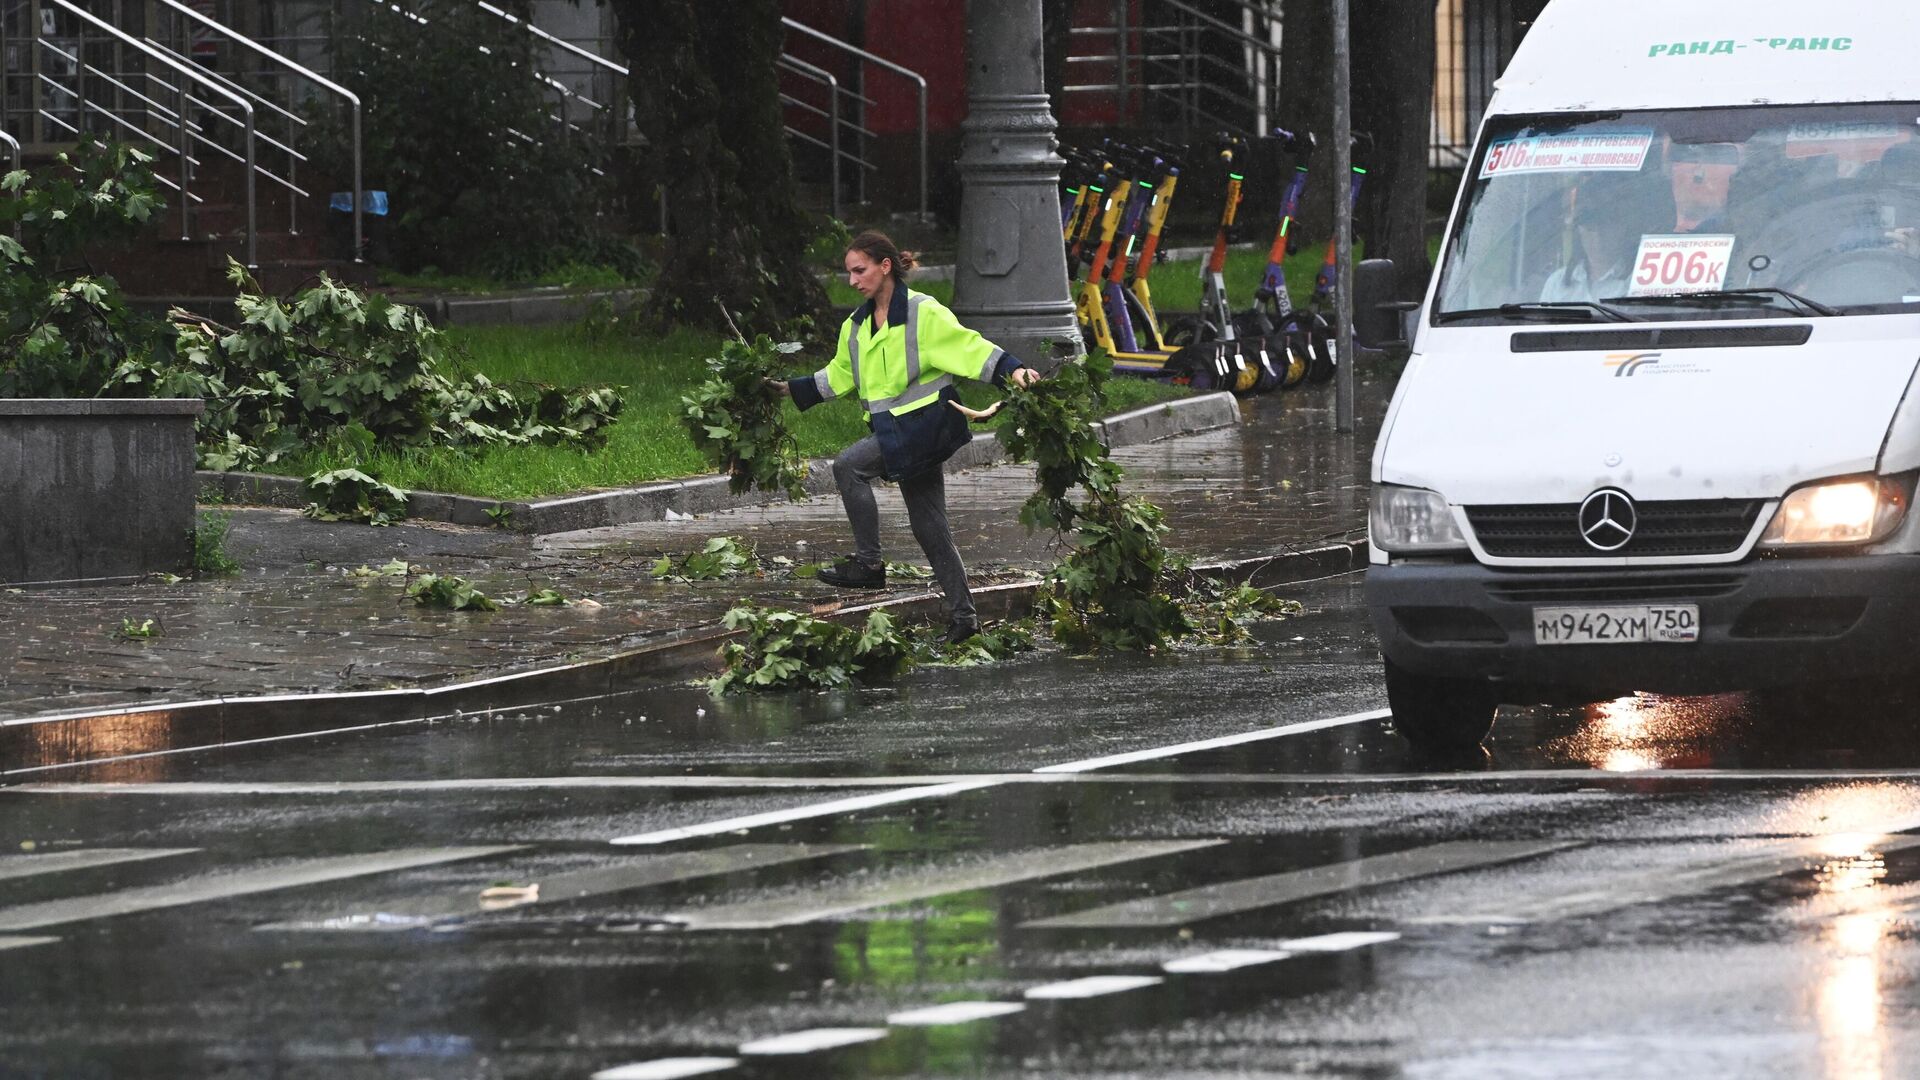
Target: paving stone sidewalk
295	621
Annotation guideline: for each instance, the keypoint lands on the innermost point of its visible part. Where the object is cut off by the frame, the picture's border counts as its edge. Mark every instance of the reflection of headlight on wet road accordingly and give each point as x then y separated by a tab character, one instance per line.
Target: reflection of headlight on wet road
1848	1003
1623	718
1628	761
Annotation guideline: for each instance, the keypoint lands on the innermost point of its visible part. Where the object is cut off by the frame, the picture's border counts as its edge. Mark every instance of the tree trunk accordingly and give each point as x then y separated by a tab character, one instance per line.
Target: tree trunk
1306	104
1392	97
737	238
1393	101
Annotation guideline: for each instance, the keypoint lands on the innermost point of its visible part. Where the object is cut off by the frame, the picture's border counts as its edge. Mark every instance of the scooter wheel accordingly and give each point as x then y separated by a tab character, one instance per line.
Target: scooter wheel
1192	330
1193	364
1297	356
1252	324
1245	365
1323	352
1270	358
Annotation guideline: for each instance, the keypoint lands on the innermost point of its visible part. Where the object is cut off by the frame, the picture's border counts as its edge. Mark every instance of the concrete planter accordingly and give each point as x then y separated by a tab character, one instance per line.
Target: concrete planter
95	489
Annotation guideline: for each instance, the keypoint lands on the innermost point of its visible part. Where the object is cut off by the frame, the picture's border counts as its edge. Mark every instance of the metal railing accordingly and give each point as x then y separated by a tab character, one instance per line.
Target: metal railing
13	150
188	132
919	82
835	122
1212	73
287	64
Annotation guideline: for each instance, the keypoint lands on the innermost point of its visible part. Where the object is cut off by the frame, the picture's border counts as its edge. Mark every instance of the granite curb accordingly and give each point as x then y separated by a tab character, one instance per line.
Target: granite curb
706	494
36	744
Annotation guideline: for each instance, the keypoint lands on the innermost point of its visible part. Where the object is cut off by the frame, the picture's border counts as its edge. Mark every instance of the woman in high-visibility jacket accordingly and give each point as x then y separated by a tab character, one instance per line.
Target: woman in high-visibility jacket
898	355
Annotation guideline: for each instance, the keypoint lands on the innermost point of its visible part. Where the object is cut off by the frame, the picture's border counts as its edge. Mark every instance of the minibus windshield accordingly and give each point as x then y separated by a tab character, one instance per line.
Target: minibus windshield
1804	211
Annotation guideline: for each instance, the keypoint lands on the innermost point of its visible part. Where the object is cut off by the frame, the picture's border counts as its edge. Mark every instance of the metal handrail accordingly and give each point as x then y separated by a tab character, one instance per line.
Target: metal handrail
13	150
192	75
585	54
233	85
353	99
832	114
890	66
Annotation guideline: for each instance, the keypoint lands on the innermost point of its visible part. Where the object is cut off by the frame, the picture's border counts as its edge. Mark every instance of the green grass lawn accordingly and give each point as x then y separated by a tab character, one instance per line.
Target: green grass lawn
647	443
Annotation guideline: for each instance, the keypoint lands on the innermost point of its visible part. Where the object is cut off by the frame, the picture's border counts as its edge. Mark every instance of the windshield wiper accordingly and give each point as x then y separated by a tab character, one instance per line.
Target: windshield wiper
1713	297
1593	311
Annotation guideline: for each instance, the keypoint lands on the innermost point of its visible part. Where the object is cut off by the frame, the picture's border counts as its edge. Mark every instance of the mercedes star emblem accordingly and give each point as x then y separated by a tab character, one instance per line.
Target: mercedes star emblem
1607	520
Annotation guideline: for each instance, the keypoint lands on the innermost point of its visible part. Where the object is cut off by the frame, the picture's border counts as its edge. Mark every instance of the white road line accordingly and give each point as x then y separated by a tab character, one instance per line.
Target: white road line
1214	963
1770	859
954	1012
53	862
848	897
24	942
749	783
1092	986
811	1041
667	1068
508	783
801	813
1214	744
1351	939
223	886
1251	894
462	902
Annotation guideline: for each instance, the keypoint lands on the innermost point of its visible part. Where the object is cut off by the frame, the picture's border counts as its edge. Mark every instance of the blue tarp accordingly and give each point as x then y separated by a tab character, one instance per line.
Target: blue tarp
371	202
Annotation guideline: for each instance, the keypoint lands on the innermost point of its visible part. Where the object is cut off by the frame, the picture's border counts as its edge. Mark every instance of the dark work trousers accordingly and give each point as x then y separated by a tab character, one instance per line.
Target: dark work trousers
854	472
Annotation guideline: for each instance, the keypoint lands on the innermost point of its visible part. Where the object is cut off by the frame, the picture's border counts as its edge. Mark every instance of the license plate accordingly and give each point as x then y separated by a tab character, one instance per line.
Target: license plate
1660	624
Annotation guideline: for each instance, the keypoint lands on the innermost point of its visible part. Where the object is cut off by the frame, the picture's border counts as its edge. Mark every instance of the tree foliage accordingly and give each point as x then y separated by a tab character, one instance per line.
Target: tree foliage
735	419
327	363
706	97
61	326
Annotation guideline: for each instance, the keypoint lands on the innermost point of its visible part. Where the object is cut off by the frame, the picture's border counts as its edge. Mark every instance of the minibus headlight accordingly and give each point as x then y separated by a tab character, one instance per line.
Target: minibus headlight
1405	519
1857	510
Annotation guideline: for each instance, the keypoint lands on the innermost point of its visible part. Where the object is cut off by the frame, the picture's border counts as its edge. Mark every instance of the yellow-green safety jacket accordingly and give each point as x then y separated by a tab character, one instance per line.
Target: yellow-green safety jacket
903	373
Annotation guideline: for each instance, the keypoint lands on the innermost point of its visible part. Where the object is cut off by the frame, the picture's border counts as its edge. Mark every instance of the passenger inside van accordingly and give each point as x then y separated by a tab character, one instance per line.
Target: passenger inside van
1602	250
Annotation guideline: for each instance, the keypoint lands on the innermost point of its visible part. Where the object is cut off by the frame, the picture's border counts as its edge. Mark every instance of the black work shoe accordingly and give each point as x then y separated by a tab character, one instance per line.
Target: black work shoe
961	630
851	573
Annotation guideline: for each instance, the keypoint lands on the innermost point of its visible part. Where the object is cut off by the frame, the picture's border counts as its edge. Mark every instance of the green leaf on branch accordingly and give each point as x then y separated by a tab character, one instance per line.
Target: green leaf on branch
736	421
448	593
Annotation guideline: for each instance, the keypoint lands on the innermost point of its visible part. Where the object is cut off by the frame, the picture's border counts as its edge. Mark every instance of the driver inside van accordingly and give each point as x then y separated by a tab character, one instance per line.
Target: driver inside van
1700	174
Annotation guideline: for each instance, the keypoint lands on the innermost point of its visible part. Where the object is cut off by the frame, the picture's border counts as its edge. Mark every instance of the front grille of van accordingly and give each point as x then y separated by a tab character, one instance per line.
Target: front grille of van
1665	529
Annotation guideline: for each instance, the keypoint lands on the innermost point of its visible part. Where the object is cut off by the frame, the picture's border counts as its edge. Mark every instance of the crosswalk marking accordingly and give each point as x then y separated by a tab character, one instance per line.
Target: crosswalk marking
847	898
811	1041
53	862
954	1012
1248	894
223	886
799	813
1092	986
1225	960
668	1068
1768	859
1214	744
641	872
24	942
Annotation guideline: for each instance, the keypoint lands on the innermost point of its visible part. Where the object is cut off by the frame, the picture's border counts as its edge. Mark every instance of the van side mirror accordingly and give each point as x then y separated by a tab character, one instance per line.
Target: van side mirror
1376	314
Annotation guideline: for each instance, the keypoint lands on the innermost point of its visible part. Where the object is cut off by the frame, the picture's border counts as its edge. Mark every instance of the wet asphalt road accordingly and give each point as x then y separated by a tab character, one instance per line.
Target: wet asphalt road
1694	888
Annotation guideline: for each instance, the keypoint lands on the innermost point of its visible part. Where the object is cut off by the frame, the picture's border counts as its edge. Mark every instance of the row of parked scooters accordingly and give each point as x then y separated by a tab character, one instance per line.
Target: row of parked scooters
1116	203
